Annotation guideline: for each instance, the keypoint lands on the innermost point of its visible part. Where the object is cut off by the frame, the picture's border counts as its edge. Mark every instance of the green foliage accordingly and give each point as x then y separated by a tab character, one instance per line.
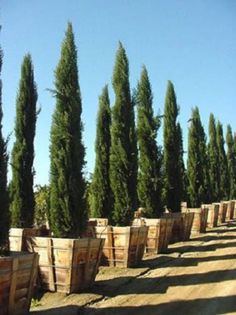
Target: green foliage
4	206
231	158
149	177
42	205
197	165
123	154
173	181
223	164
22	194
183	173
67	201
100	190
213	156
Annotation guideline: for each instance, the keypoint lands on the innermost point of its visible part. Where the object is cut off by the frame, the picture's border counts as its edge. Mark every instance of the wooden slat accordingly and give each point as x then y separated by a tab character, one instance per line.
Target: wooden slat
13	285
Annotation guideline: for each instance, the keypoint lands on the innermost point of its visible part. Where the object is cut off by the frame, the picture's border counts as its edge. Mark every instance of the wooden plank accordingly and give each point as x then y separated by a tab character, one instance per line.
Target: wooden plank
51	276
13	285
33	275
110	245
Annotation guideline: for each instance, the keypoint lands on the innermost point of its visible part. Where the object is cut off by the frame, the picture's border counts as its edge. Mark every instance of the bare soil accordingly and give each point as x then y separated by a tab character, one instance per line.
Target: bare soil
195	277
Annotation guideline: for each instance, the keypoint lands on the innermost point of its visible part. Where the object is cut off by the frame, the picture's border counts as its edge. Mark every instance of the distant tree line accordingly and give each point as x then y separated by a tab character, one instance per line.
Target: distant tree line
131	168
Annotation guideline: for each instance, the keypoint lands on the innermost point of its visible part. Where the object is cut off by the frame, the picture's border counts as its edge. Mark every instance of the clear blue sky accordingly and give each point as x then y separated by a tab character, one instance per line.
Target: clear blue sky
190	42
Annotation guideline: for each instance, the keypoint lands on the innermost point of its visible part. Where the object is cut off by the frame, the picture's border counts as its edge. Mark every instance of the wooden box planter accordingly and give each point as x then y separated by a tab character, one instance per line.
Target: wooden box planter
222	211
230	210
213	214
124	246
188	223
159	234
178	226
200	220
18	273
18	237
99	221
67	265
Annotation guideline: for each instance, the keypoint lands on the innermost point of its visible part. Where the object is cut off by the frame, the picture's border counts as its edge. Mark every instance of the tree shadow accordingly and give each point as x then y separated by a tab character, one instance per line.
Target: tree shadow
167	261
201	248
155	285
209	306
63	310
209	238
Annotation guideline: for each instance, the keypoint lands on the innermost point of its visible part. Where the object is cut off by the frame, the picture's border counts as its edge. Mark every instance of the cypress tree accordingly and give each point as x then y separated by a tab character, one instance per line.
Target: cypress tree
4	209
231	158
100	190
67	201
214	174
149	183
171	163
123	154
22	194
183	174
197	164
223	164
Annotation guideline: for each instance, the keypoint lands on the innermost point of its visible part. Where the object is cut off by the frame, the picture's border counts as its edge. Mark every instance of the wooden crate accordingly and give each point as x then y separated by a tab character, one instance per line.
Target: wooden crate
124	246
199	220
18	237
213	214
230	210
188	222
99	221
178	226
17	278
67	265
159	234
222	211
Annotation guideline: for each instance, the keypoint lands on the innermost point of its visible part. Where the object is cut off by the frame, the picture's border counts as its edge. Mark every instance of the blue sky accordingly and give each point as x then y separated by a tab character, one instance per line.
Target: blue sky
190	42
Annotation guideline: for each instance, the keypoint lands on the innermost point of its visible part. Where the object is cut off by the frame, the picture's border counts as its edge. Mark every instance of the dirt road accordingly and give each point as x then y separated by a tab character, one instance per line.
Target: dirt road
195	277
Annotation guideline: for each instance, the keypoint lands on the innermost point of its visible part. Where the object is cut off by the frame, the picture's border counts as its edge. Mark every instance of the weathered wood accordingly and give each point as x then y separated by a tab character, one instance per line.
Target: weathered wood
213	214
99	221
230	210
200	220
178	226
187	225
222	211
18	237
159	234
124	246
17	278
67	265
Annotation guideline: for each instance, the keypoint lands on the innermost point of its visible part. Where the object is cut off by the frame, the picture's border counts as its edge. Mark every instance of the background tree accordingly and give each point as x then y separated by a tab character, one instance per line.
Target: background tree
231	158
149	181
223	164
183	173
22	194
197	164
172	169
214	174
4	207
42	205
123	154
100	190
67	203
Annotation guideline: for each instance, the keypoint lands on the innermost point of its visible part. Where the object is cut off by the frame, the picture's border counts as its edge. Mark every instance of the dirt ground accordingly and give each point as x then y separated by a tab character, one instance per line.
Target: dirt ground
195	277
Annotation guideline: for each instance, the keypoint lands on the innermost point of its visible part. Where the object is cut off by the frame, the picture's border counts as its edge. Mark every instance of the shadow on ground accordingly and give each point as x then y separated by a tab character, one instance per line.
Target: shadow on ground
210	306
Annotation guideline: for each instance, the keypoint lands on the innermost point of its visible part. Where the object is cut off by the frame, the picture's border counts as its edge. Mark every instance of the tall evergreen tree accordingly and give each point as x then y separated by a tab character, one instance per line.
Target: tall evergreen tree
231	158
223	164
198	165
123	154
67	211
213	157
149	182
183	173
4	207
22	194
100	189
172	170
